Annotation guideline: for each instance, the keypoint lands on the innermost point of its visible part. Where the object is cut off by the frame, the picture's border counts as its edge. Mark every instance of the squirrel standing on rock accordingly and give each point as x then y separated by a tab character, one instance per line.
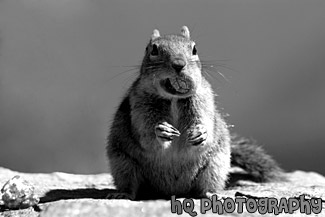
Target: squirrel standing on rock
168	137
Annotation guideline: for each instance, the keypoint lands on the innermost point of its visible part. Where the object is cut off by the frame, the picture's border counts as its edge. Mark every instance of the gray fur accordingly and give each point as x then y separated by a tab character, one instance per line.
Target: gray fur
192	157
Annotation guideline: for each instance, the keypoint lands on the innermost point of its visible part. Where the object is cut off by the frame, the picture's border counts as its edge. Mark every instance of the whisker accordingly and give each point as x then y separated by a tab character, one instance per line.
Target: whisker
122	73
214	76
127	66
127	81
216	60
152	67
214	73
222	75
208	75
221	66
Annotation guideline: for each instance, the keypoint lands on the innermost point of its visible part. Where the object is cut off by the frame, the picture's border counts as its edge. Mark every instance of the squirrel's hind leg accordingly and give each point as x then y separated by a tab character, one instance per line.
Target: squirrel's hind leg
127	178
212	178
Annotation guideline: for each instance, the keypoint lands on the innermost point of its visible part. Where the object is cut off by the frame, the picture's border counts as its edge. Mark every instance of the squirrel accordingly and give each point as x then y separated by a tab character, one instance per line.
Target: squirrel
168	137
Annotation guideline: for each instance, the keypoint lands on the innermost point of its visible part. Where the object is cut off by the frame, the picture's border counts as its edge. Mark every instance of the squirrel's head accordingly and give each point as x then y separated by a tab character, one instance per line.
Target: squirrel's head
171	65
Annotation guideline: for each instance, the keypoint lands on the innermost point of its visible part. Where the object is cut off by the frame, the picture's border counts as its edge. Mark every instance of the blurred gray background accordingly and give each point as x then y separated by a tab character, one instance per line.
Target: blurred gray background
64	69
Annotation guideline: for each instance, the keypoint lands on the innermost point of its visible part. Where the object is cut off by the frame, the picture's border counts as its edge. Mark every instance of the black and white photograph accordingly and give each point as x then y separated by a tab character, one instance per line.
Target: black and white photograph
162	108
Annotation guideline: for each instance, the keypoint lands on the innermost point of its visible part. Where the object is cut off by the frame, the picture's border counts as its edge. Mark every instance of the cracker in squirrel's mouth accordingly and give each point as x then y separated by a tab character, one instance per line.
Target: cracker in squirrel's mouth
176	86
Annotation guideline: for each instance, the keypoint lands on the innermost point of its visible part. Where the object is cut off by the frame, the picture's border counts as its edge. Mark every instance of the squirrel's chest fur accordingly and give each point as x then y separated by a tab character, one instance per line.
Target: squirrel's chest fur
175	168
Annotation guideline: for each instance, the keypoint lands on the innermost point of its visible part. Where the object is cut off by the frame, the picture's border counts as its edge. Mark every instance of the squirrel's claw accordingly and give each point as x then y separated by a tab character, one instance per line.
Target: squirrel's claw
166	131
198	135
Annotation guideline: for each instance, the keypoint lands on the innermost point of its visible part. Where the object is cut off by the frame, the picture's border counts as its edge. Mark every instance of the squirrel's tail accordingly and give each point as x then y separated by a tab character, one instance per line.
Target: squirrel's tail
259	166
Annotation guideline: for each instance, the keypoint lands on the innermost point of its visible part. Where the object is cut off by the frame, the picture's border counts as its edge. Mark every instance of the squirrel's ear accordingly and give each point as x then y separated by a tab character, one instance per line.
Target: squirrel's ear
185	32
155	34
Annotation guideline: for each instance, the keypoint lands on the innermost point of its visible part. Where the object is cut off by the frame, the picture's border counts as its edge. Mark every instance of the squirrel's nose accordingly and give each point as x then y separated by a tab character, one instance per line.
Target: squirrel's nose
178	64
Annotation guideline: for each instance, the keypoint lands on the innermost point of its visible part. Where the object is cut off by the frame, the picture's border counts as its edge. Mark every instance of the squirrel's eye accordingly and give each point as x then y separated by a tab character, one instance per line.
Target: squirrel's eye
194	50
154	51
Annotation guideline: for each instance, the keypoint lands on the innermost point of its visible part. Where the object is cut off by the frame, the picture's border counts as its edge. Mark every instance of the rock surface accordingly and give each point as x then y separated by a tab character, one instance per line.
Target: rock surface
63	194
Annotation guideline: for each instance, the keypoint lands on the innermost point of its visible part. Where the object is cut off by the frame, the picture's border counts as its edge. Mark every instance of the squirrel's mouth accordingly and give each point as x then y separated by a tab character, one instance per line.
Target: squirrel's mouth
176	86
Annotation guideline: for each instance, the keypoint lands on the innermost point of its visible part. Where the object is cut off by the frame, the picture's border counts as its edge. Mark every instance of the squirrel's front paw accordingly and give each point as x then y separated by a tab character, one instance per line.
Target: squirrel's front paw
165	132
197	135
